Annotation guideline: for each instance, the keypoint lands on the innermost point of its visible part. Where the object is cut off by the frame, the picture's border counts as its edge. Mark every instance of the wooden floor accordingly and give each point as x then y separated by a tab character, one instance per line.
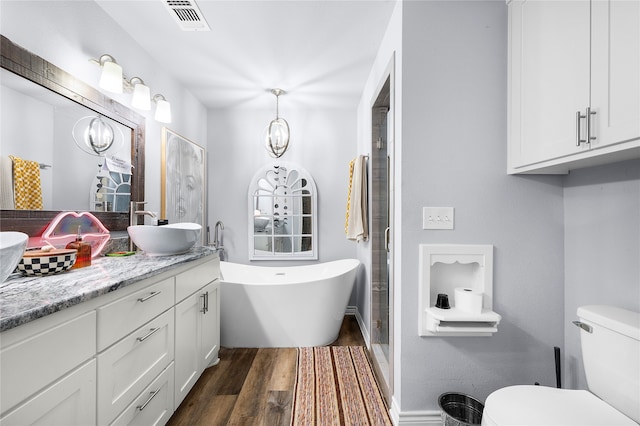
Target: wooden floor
250	386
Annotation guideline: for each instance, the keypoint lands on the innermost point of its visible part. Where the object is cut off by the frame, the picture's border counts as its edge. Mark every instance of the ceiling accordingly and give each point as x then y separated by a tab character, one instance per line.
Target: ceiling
319	51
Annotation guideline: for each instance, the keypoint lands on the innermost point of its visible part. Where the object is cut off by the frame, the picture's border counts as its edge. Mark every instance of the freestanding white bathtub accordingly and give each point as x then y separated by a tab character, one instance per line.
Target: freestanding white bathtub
275	307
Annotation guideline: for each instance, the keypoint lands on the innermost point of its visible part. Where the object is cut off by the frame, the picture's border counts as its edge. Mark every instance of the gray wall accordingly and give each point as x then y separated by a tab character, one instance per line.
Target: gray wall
322	142
602	248
454	154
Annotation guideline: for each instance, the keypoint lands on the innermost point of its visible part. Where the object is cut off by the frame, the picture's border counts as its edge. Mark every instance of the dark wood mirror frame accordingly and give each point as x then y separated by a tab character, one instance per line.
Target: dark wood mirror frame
32	67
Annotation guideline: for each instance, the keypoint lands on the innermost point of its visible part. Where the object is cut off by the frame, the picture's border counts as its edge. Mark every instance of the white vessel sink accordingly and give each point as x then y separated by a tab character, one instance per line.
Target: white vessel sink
165	240
12	246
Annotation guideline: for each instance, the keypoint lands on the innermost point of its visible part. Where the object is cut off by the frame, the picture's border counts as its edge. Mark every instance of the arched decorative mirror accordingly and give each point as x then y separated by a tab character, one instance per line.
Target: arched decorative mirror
42	83
283	219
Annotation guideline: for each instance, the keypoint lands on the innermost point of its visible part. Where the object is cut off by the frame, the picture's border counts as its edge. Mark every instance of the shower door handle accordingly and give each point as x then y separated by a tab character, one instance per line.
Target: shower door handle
386	238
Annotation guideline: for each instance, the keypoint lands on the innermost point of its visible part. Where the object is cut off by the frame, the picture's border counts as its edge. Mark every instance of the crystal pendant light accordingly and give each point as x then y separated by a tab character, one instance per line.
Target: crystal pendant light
277	133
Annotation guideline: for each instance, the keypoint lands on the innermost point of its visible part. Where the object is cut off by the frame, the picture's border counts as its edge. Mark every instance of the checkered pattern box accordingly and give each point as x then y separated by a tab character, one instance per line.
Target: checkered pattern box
41	263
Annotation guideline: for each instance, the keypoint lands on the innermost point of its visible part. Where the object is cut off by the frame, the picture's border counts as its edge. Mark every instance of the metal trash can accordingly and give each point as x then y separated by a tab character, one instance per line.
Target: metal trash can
460	410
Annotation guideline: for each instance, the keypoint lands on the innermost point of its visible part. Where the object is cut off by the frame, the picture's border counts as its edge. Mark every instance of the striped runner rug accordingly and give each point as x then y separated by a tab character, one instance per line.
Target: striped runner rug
335	385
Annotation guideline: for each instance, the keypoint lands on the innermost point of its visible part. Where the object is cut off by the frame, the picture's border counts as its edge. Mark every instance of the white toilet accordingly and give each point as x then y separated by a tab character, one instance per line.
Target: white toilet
610	340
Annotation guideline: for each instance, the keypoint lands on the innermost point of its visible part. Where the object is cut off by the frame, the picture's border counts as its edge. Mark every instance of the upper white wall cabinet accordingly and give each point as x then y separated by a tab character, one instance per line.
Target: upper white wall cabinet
574	84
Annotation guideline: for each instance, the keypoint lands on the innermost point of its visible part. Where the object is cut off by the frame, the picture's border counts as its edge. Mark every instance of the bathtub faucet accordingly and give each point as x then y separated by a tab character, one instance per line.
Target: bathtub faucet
216	236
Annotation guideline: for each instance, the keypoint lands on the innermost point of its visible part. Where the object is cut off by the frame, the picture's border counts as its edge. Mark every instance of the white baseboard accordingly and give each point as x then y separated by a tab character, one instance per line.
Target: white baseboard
414	418
353	310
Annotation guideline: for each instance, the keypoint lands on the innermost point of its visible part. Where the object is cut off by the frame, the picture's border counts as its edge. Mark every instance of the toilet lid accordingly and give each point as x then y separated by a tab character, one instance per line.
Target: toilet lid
541	405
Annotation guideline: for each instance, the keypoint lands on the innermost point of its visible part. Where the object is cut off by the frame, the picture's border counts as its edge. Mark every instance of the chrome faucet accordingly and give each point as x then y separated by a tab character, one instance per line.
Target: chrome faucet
216	239
134	212
133	217
145	213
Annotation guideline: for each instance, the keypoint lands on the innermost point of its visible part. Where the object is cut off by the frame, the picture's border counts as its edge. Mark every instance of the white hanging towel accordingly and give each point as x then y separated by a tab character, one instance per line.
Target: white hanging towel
357	214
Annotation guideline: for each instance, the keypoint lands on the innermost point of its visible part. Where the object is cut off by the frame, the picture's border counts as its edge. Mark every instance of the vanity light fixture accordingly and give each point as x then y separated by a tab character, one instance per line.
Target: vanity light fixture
113	80
163	109
141	94
277	132
111	77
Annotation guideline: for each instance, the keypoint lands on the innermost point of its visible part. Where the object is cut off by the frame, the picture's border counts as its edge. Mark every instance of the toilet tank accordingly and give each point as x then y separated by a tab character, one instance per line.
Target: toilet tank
610	340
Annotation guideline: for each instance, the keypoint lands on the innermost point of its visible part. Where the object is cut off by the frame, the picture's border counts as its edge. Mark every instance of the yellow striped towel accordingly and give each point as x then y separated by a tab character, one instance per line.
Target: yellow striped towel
26	184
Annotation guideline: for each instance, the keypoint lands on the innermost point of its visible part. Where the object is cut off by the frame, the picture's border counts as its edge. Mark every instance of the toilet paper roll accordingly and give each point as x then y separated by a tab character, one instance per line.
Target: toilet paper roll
468	300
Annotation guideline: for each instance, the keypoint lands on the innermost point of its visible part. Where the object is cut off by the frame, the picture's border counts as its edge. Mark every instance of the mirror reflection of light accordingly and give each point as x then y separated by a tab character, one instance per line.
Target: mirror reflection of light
96	136
99	135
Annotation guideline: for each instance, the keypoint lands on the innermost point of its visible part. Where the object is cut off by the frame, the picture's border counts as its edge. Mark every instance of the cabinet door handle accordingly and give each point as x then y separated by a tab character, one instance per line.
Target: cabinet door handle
588	115
146	336
151	396
152	294
579	139
204	302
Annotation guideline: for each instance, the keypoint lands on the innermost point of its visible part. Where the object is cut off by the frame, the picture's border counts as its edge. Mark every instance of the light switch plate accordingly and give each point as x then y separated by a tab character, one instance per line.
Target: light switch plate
437	218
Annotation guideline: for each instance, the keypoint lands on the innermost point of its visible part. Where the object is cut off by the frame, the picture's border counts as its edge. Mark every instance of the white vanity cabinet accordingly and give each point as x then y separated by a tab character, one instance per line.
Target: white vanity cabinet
129	366
70	400
154	406
197	314
574	84
115	359
48	374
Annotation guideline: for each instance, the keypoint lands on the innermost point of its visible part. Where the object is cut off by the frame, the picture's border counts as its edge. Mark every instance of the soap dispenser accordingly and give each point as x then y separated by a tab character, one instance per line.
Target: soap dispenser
83	255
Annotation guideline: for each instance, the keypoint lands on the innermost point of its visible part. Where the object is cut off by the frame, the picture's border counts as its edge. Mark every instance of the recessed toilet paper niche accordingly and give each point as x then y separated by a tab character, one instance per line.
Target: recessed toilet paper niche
464	273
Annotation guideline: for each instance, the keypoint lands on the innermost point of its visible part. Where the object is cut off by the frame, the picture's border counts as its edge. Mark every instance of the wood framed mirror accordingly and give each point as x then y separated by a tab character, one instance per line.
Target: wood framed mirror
25	64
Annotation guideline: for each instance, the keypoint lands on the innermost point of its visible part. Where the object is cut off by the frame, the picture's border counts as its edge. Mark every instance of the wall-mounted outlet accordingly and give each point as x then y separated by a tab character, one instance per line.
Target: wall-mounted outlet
437	218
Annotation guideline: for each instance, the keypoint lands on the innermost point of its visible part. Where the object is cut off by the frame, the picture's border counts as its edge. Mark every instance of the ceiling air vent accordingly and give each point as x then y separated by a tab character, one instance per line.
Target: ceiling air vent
187	15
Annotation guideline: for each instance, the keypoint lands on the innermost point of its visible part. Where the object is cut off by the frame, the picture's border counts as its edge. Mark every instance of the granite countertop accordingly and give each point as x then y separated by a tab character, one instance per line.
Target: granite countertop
24	299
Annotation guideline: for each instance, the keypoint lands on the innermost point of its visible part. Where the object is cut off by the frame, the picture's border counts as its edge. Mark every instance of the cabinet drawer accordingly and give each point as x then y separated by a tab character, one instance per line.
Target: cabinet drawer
69	401
121	317
190	281
154	406
34	363
129	366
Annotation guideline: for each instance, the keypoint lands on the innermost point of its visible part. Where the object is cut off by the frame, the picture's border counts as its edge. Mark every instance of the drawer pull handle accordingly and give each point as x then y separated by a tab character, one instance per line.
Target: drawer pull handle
153	293
205	302
146	336
151	396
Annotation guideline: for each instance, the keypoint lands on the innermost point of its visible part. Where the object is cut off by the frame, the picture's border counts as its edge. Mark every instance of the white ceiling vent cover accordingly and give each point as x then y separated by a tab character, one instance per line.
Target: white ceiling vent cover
187	15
